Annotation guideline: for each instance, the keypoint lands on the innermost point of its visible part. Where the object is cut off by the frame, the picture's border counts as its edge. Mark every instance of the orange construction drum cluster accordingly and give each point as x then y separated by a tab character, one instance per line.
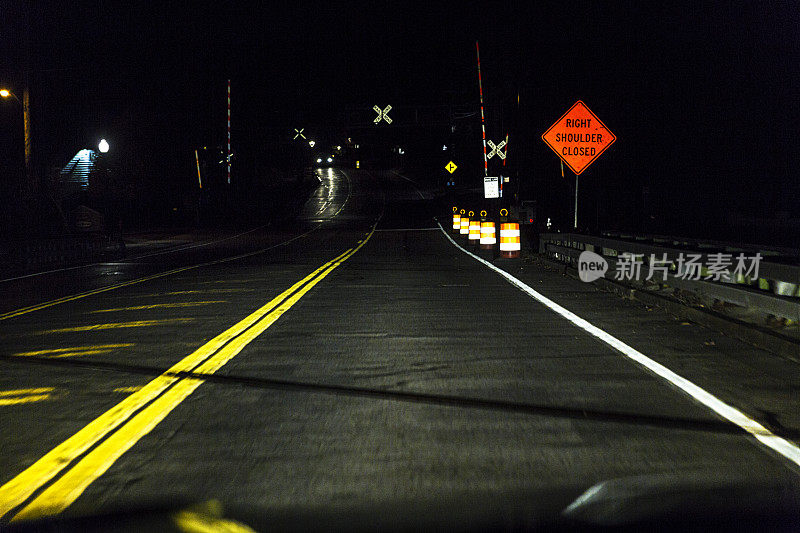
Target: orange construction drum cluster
482	233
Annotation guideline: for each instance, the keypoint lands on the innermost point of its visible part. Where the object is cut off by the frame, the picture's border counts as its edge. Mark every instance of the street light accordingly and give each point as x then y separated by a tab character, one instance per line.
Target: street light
103	146
5	93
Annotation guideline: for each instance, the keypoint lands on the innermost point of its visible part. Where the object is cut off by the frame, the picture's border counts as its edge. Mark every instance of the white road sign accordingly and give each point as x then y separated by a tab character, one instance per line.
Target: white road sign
491	187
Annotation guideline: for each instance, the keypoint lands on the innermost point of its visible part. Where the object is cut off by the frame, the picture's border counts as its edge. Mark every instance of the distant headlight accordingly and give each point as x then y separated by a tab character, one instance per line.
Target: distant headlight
319	160
330	160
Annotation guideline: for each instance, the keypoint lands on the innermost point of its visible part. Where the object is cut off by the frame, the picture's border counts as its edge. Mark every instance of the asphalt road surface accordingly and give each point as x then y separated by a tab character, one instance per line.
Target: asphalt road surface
355	358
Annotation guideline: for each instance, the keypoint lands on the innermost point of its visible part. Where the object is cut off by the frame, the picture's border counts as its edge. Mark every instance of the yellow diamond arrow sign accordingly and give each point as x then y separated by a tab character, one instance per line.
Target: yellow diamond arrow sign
451	167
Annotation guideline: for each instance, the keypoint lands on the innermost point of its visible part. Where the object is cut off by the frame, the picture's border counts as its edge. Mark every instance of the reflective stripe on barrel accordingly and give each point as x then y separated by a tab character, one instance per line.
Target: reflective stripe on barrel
474	231
456	222
464	230
509	239
488	235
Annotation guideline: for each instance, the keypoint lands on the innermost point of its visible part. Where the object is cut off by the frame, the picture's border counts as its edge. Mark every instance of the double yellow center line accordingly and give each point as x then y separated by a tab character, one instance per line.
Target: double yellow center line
56	480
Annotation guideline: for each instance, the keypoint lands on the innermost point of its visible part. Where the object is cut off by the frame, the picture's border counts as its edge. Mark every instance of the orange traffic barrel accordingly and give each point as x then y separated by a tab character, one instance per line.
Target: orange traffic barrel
474	231
509	240
464	225
488	235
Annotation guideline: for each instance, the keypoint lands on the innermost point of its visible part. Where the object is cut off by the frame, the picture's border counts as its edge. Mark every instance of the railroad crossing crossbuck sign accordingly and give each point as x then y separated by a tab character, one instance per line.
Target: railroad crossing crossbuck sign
578	137
298	133
384	114
496	150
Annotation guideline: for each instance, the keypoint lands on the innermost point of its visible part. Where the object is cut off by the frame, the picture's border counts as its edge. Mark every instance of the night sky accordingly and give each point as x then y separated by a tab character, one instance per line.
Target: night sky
702	96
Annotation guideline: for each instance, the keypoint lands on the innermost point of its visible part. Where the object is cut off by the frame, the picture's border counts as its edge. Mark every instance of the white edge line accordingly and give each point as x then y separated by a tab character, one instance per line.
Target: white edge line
780	445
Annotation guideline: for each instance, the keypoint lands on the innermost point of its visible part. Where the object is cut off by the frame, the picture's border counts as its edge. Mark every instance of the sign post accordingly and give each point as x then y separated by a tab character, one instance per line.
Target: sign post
578	138
575	221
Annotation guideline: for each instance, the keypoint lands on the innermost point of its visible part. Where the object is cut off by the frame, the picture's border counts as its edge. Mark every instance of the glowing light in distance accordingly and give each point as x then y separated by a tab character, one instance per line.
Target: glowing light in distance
319	160
103	146
5	93
330	159
311	143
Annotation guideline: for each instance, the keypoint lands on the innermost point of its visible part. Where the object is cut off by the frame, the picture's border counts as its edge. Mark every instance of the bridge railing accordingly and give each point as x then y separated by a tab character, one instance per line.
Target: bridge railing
773	290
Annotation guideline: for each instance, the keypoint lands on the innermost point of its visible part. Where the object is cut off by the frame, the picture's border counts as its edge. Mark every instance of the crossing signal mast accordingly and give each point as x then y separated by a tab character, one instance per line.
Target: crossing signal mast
497	149
483	118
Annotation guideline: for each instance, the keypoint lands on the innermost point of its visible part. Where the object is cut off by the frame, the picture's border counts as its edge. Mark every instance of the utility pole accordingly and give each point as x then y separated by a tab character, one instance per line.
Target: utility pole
26	101
228	154
24	105
26	125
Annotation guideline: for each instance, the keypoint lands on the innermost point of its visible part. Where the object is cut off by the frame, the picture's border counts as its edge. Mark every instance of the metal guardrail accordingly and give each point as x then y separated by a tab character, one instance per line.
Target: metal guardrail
728	246
775	291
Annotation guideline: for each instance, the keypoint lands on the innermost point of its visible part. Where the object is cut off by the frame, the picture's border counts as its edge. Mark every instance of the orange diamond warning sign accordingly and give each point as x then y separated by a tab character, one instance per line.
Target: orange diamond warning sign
578	137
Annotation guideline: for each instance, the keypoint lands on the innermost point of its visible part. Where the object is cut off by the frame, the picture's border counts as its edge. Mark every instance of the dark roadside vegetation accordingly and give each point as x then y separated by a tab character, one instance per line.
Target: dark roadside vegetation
53	226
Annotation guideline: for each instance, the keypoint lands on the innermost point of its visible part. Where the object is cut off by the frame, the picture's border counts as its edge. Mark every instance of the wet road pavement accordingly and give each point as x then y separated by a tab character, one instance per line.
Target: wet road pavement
356	356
